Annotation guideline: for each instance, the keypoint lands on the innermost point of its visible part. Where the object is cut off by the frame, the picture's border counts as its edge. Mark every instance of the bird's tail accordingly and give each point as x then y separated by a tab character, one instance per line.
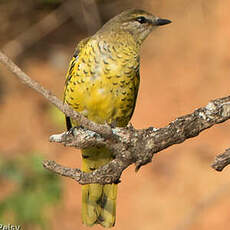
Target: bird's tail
98	201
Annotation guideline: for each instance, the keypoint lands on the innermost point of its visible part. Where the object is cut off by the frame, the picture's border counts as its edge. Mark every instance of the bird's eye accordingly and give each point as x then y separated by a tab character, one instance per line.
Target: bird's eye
141	19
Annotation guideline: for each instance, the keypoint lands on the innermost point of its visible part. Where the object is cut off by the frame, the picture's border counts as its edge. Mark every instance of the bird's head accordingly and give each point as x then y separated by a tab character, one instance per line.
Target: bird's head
138	23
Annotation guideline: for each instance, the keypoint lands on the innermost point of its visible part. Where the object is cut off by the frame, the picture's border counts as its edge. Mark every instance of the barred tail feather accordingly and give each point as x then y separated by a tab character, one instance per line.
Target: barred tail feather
98	201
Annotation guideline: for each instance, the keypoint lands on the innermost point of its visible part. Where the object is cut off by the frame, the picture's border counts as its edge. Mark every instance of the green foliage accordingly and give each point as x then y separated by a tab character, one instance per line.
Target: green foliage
36	190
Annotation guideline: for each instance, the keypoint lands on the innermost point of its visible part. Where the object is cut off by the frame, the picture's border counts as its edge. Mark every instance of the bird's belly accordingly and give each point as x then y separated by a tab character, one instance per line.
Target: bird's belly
105	90
106	105
103	100
100	106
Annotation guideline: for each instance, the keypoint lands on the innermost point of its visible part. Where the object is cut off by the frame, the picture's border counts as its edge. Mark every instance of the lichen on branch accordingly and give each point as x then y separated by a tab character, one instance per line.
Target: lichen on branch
129	145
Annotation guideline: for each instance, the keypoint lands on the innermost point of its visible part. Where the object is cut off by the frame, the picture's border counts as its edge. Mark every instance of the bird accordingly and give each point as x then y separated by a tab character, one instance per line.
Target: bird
102	84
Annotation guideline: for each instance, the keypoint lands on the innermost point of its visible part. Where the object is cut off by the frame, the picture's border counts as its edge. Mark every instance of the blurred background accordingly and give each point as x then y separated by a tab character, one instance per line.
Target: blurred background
183	66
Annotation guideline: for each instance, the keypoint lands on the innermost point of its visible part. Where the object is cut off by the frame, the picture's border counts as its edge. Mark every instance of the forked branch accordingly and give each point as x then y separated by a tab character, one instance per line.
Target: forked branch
130	146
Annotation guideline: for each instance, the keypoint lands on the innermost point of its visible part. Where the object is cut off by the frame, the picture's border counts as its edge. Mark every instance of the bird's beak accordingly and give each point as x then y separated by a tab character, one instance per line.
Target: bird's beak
161	21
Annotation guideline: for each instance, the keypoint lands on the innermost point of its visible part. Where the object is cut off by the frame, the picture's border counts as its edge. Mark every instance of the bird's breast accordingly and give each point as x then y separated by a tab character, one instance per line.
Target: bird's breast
104	83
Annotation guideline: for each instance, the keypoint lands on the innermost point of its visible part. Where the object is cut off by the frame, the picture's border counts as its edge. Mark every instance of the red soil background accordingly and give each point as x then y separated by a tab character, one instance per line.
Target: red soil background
183	66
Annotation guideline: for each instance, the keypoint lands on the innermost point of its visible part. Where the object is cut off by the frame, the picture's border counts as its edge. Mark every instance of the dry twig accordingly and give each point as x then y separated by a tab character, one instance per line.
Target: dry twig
91	15
102	129
221	161
51	22
128	144
36	32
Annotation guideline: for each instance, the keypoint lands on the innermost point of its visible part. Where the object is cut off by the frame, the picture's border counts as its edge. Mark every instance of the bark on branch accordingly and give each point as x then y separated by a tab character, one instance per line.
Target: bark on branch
221	161
13	68
130	146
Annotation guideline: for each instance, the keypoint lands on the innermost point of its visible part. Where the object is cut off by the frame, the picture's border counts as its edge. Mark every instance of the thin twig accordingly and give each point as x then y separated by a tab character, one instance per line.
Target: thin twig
221	161
128	144
107	175
102	129
91	15
36	32
139	146
52	21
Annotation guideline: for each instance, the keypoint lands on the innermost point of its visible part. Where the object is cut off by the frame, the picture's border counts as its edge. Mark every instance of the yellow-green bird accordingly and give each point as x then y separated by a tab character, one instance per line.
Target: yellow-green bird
102	84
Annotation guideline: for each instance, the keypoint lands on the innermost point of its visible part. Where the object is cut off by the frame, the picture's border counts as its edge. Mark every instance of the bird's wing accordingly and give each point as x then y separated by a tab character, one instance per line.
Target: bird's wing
78	49
69	74
136	87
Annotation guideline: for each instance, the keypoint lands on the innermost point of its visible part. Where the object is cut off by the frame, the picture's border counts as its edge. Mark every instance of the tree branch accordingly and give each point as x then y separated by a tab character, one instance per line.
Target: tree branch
221	161
102	129
138	146
128	144
36	32
45	26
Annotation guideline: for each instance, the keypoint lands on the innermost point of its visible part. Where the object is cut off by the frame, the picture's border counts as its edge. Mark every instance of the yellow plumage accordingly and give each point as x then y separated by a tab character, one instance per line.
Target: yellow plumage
104	89
102	83
103	80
